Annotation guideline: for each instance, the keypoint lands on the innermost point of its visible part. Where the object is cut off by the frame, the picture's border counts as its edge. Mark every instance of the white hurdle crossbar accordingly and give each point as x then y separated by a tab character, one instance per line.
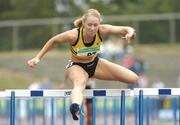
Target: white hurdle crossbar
93	93
67	93
157	91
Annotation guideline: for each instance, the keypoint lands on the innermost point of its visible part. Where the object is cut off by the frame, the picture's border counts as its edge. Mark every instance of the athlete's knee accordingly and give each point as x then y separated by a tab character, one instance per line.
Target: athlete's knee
80	83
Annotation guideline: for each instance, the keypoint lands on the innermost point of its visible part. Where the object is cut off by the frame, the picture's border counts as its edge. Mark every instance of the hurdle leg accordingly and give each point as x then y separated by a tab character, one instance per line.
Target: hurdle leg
81	115
141	107
122	116
174	106
12	109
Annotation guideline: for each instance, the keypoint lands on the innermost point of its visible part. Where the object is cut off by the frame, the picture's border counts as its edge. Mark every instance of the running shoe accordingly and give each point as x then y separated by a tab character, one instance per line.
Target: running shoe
74	109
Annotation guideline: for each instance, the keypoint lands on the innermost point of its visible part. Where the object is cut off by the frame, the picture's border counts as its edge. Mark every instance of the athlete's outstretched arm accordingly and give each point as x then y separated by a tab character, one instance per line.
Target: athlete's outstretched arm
68	36
126	31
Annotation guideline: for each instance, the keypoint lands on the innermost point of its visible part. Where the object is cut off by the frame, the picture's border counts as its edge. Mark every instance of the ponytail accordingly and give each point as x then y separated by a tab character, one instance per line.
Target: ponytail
78	22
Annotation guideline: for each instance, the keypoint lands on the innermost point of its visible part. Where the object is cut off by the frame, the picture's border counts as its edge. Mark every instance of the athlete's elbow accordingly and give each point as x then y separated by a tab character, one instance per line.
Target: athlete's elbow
133	79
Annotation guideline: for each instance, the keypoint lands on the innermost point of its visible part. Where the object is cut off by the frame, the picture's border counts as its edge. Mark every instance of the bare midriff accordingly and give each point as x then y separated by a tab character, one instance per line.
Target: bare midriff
83	59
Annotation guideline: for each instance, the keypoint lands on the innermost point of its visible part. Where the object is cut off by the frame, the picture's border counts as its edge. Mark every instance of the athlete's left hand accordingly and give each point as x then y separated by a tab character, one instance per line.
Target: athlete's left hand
130	36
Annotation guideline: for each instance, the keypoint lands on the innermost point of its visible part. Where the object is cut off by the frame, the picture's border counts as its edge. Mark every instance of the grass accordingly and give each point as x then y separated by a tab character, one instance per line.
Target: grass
162	60
14	72
14	80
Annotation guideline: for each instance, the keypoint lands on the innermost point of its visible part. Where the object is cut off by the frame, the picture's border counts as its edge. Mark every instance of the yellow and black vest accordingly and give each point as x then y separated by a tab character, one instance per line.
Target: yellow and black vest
79	48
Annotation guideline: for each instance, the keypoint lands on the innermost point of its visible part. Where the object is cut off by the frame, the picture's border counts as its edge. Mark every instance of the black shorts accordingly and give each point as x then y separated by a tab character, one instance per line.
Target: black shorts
88	67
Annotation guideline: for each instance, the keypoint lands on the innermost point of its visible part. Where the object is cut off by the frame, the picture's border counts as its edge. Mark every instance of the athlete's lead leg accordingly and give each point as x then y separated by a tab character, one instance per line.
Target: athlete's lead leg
79	78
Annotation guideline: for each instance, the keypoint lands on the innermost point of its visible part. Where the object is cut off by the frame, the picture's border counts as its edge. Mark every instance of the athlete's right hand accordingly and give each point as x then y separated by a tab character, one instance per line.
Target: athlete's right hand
32	62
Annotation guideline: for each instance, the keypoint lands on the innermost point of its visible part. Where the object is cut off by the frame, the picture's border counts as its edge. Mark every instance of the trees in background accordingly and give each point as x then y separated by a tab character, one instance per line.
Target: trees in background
29	37
21	9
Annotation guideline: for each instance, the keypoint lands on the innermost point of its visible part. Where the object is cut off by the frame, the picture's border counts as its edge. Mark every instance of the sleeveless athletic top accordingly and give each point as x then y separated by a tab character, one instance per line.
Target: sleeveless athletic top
79	48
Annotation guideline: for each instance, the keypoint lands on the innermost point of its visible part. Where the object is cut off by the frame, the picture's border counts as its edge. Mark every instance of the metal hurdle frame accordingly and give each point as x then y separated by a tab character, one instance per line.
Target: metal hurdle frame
66	93
140	92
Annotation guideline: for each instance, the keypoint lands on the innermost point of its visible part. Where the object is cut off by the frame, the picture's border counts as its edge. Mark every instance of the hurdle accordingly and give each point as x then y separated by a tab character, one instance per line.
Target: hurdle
141	92
122	93
66	93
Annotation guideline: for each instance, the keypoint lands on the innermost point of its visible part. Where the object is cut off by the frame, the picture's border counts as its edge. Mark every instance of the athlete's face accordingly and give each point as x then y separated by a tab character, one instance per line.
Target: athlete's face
91	25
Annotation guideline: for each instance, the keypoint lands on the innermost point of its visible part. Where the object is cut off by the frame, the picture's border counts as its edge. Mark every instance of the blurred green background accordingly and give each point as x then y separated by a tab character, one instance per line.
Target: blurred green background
25	26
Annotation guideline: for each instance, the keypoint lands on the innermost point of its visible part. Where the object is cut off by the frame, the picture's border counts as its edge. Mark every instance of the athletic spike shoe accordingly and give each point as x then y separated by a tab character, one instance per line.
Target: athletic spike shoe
74	109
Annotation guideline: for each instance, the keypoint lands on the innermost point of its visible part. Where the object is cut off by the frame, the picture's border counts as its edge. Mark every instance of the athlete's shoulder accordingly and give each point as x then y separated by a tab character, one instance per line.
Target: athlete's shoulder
71	35
73	32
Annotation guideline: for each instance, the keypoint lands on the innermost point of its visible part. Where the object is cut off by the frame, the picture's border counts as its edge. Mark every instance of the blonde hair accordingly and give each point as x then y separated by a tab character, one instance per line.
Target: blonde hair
94	12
